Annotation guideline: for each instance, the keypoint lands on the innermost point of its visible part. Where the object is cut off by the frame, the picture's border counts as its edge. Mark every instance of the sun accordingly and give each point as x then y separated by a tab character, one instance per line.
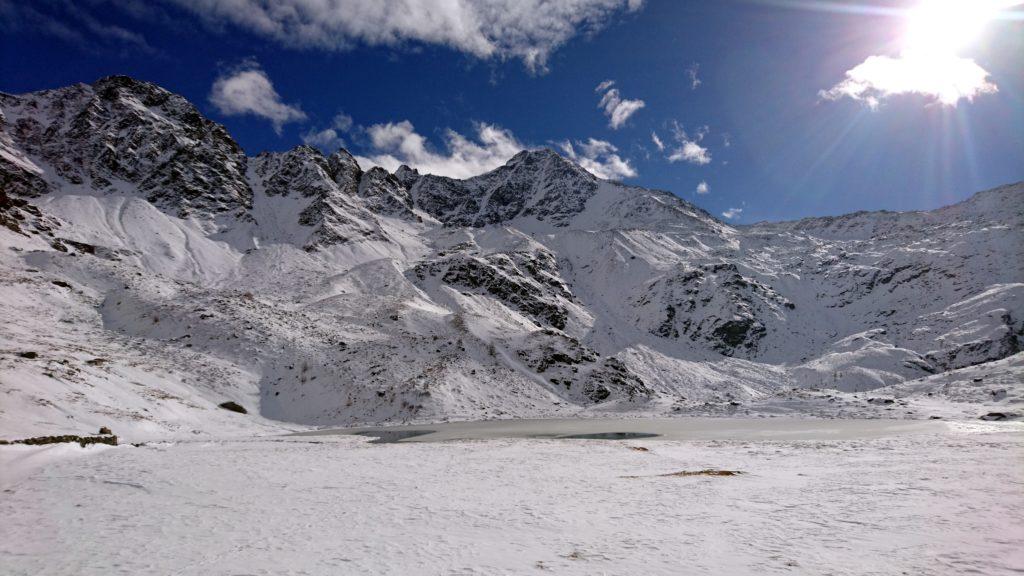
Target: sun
943	28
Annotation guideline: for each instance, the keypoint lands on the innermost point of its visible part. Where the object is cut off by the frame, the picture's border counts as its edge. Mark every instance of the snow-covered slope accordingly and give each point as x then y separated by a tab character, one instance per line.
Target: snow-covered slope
152	271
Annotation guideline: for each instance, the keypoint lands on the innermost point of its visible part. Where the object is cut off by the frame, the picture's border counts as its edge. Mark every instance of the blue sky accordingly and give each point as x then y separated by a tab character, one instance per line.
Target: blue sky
802	108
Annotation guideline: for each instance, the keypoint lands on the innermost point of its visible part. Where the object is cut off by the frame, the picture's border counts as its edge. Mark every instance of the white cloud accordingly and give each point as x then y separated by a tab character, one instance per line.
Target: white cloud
691	152
248	90
657	142
693	72
342	122
944	78
689	148
617	109
600	158
529	30
929	63
397	143
327	139
703	187
392	144
732	213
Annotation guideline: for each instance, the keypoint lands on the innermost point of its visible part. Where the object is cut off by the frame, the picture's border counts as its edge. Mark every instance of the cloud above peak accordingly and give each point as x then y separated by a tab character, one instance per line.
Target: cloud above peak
247	90
600	158
392	144
616	108
530	30
329	139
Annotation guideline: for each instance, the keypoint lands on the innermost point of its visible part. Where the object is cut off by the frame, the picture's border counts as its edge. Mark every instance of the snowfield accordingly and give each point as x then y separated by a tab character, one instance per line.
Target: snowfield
934	502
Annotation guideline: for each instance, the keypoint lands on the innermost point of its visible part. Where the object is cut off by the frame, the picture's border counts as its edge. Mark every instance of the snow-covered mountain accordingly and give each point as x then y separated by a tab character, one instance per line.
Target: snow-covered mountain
152	271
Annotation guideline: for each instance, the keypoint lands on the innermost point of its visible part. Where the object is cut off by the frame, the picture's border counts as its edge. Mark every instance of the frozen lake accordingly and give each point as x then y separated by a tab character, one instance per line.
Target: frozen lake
811	497
677	429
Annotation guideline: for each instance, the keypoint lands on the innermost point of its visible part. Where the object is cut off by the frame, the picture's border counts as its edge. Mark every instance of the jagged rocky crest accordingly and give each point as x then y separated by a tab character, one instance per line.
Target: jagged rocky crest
537	183
120	133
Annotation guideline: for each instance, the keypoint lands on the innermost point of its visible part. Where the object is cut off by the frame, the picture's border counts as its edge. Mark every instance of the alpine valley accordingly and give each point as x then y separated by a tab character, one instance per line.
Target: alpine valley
151	271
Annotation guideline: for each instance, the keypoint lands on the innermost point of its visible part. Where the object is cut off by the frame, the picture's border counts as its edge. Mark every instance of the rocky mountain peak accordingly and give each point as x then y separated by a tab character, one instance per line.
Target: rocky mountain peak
345	171
114	87
536	156
385	194
125	135
302	170
546	163
538	183
407	176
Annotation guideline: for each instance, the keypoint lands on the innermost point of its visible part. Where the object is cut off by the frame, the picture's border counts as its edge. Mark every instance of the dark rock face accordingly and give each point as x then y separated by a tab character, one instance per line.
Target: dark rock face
527	282
713	304
120	134
302	170
345	201
613	377
579	373
345	172
18	215
331	184
537	183
82	441
998	416
886	277
979	352
742	332
385	194
407	176
17	181
18	176
233	407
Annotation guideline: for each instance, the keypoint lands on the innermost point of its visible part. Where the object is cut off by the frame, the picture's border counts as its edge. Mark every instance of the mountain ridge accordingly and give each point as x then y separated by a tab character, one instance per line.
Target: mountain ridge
317	292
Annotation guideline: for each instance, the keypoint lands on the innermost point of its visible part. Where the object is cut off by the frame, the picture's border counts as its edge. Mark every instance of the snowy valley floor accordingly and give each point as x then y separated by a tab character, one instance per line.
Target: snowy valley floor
944	500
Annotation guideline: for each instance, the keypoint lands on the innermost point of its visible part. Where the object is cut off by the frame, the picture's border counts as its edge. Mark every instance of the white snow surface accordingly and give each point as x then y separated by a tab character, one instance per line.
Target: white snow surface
931	504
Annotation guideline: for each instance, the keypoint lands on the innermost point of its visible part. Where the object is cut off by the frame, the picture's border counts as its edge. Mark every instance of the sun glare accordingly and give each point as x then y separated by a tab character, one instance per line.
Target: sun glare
931	60
942	28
